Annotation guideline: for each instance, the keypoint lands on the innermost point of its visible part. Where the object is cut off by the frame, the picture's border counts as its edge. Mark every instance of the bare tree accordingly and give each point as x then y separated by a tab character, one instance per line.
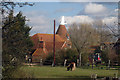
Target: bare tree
8	6
82	36
107	33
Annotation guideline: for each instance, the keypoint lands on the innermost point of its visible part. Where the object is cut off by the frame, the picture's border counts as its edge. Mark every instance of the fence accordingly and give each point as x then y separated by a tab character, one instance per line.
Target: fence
107	65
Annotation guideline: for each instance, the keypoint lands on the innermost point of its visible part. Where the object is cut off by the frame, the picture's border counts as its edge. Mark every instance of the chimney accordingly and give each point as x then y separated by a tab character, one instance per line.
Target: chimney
41	43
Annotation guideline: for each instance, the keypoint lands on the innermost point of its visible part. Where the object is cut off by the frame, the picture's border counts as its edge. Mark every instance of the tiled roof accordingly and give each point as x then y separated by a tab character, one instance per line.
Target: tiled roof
48	38
49	46
40	52
62	31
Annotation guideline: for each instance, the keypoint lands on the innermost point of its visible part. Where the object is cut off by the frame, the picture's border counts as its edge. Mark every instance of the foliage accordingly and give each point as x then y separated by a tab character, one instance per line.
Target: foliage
104	56
16	42
85	58
107	54
85	35
8	6
69	54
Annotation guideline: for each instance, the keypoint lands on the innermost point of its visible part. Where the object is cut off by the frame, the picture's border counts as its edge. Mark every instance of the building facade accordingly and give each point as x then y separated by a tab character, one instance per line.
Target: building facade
43	43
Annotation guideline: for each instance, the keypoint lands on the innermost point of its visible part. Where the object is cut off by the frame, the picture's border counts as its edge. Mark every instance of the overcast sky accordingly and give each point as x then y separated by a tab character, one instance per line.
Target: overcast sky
42	14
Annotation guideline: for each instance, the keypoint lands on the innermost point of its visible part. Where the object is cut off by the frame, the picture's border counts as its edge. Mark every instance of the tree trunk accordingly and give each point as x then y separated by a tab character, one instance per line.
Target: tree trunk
79	59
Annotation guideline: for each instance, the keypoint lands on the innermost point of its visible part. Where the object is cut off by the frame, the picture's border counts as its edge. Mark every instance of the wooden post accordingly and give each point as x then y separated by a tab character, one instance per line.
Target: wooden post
54	43
109	64
65	62
41	63
93	64
77	62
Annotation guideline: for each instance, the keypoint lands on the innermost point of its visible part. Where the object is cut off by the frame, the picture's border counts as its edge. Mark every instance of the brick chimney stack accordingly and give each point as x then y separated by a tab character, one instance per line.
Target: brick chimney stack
41	43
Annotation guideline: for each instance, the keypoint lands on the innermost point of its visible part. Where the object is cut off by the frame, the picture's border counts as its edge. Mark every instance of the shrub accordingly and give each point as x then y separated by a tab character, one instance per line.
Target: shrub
61	55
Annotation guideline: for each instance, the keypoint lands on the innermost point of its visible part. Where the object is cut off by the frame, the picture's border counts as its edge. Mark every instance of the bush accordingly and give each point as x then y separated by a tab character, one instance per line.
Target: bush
60	56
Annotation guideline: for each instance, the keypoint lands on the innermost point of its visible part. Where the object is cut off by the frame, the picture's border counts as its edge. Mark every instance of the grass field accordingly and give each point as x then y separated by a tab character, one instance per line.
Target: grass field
60	72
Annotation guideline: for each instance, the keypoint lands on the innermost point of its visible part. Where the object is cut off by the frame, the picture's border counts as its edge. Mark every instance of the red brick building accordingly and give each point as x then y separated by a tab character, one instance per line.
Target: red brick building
43	43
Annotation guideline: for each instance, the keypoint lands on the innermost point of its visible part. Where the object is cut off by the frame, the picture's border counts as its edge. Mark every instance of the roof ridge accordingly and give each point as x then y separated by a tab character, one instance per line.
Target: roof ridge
45	33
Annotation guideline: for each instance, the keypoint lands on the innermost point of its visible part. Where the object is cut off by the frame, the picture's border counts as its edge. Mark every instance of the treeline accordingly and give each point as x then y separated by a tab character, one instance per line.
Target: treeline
85	35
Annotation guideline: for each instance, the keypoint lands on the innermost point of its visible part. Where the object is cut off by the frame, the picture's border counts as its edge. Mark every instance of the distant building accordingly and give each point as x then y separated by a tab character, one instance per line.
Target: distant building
43	43
95	54
96	51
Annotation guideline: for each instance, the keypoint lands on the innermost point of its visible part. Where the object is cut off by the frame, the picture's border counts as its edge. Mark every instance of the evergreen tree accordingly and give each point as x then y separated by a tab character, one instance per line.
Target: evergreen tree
15	42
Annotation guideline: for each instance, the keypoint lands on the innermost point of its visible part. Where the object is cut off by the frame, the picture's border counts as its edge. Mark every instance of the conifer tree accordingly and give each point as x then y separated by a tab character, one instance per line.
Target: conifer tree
15	42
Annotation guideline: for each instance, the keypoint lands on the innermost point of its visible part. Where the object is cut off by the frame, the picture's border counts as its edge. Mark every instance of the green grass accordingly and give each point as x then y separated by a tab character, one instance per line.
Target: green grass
60	72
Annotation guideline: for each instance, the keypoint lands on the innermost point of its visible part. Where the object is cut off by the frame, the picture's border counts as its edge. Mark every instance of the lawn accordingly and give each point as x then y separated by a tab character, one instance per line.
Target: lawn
60	72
